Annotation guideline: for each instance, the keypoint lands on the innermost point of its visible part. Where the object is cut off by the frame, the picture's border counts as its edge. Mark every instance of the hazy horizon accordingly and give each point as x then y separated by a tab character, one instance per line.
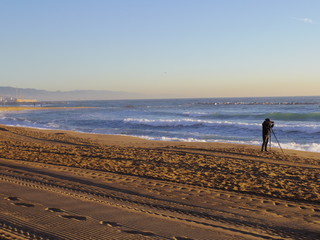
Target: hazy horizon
47	95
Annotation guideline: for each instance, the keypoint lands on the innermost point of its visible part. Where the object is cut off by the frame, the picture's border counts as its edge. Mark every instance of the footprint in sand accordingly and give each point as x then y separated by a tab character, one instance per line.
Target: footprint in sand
110	224
79	218
54	210
150	234
273	213
181	238
12	198
290	205
303	208
24	204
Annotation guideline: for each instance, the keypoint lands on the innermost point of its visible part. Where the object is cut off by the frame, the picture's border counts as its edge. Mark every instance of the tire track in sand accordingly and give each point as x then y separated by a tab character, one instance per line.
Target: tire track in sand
173	209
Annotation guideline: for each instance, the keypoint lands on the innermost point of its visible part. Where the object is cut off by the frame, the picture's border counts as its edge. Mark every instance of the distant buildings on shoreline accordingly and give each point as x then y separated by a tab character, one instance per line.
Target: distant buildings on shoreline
12	100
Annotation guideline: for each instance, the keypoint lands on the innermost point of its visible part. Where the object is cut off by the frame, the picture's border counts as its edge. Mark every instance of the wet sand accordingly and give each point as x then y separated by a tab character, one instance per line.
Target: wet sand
68	185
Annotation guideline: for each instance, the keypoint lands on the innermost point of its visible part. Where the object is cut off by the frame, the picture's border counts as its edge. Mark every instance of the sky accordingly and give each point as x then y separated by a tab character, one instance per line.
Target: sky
163	48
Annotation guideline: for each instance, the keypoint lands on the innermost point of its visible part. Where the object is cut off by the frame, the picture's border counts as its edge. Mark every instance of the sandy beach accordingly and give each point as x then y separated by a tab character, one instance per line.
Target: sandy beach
68	185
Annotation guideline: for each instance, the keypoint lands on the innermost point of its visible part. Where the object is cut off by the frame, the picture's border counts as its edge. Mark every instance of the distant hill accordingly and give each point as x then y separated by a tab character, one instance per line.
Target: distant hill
43	95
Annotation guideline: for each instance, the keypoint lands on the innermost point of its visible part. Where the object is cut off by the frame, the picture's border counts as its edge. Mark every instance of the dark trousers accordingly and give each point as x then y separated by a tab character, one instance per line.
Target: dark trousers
265	139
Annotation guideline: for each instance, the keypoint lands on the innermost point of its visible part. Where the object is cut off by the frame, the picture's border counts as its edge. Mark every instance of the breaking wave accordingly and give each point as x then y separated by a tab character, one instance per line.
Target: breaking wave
182	122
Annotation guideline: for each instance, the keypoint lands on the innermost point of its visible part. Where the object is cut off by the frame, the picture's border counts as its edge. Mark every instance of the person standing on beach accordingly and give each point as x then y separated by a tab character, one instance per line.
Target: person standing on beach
267	125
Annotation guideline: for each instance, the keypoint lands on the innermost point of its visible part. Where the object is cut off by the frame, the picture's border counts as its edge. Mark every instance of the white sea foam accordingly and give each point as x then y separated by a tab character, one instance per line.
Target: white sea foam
195	114
53	125
174	139
165	122
183	122
311	127
314	147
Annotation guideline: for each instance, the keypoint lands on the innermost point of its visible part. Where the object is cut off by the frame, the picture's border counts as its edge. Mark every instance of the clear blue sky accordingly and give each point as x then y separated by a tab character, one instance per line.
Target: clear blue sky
166	48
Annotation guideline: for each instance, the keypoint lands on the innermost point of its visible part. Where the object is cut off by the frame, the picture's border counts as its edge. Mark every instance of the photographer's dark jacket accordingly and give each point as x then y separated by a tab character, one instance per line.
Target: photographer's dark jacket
266	127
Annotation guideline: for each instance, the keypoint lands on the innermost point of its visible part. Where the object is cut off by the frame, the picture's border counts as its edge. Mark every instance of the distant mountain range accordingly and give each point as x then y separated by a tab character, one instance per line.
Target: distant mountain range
43	95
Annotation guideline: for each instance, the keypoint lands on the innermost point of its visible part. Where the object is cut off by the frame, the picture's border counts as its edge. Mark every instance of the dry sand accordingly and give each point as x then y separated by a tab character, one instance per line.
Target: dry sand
67	185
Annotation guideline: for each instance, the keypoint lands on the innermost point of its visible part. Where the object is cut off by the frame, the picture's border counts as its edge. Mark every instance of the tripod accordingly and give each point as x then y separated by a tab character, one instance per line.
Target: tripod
276	139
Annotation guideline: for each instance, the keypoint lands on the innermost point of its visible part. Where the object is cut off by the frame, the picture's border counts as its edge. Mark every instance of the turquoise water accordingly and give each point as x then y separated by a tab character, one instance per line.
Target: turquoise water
234	120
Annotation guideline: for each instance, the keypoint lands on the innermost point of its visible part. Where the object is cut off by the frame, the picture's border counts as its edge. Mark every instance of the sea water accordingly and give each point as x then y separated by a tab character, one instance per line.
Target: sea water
231	120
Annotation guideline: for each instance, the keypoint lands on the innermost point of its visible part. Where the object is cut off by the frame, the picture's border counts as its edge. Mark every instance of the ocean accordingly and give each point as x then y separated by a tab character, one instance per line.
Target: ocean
230	120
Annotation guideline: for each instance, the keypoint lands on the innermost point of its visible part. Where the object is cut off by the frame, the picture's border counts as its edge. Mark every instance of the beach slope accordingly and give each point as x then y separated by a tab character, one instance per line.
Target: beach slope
68	185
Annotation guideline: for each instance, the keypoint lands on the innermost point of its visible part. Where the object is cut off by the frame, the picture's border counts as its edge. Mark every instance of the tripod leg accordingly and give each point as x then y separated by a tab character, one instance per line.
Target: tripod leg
277	141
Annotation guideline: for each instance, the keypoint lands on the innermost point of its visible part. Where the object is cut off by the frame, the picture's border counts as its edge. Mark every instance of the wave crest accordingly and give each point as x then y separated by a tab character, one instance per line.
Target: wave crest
182	122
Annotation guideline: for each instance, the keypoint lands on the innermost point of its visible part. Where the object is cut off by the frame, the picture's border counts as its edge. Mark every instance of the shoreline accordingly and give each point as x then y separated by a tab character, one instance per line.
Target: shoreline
142	155
286	150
